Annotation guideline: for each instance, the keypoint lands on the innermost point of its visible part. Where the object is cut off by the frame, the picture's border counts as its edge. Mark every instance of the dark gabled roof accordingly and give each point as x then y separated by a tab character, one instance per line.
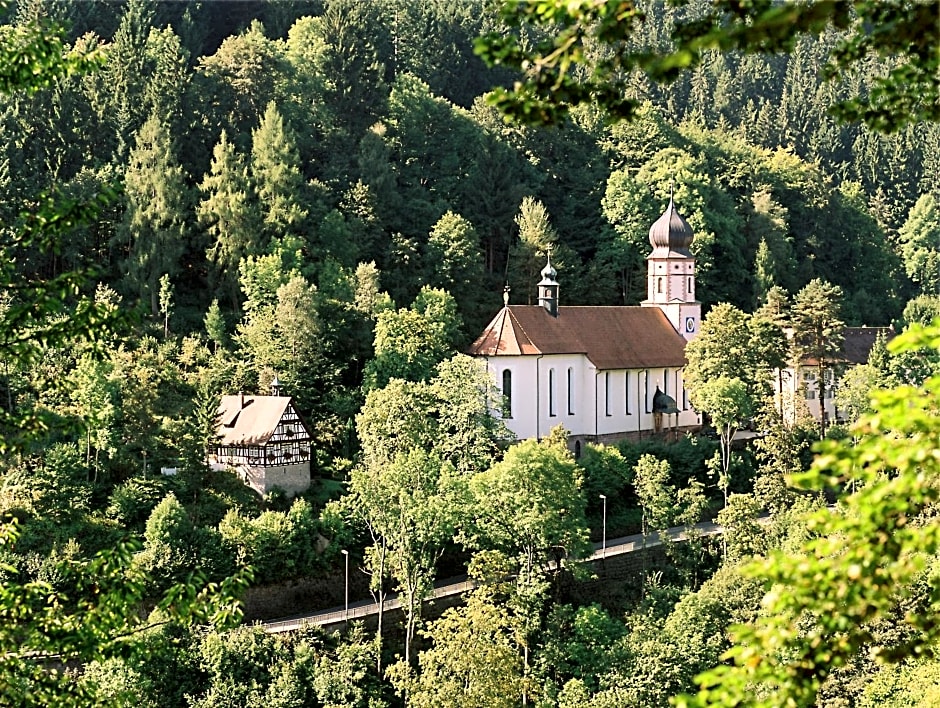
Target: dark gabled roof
857	343
611	337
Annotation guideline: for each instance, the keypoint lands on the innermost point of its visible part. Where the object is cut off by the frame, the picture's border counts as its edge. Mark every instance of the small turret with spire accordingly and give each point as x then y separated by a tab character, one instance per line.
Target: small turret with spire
548	288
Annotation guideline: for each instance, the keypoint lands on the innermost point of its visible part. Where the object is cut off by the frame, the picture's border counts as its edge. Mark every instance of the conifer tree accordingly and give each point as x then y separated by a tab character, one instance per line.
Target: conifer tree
278	181
154	224
818	332
229	214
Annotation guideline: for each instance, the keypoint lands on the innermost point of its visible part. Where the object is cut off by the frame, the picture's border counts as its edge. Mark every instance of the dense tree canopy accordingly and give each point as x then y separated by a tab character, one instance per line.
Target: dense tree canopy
320	191
903	32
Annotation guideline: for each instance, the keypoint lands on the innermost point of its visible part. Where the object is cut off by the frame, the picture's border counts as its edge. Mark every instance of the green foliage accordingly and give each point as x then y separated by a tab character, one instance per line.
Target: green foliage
34	55
54	488
450	415
734	344
91	615
474	660
154	224
920	243
227	215
579	644
409	343
276	545
656	495
606	471
530	503
563	73
133	501
824	599
727	403
411	507
169	554
742	535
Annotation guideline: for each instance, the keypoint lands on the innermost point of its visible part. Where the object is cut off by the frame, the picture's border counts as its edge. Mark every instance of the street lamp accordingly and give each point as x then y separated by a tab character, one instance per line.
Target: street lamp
604	537
346	553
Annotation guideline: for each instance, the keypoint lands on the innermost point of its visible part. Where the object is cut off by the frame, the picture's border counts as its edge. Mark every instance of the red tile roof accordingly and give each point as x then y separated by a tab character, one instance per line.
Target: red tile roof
611	337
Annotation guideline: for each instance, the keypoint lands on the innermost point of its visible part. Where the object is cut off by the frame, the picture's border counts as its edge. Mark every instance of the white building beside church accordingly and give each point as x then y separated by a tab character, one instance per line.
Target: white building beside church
604	373
800	382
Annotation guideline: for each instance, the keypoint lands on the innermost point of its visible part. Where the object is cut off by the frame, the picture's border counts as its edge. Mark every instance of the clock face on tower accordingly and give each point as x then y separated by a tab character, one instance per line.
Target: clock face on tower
690	324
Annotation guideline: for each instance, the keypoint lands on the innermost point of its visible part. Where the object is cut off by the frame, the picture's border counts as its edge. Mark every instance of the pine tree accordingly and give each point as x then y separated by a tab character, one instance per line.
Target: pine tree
527	254
818	331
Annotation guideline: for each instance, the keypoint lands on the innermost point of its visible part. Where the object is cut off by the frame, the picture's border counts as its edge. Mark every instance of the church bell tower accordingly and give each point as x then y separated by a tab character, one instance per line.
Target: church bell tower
670	270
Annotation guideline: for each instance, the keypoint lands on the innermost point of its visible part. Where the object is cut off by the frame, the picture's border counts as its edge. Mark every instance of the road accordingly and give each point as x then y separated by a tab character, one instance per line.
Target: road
456	586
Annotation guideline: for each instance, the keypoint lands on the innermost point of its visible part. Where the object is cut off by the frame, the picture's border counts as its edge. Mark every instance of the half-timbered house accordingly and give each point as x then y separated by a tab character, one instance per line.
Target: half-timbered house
265	441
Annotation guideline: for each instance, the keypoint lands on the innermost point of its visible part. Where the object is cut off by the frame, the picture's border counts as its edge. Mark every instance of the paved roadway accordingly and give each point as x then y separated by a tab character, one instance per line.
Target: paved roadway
456	586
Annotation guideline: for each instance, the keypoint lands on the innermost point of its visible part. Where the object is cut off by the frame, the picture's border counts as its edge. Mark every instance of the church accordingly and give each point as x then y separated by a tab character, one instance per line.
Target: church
604	373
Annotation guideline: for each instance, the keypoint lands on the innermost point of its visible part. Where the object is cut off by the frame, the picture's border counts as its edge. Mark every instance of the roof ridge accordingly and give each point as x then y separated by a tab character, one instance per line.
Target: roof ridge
518	324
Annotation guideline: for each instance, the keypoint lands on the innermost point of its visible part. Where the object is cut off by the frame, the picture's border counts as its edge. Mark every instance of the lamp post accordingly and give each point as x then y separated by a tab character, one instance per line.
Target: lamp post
604	536
346	553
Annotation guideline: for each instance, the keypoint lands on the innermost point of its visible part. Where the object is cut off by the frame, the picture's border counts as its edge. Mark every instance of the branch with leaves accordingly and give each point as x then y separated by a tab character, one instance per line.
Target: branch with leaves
585	52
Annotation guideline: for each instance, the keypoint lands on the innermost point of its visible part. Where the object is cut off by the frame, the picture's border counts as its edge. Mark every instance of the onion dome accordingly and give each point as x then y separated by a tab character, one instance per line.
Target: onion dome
671	233
549	272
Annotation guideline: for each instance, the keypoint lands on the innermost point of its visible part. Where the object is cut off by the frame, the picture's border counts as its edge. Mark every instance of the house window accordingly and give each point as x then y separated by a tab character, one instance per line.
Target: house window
646	375
666	381
626	392
570	391
690	286
551	392
659	284
507	393
607	393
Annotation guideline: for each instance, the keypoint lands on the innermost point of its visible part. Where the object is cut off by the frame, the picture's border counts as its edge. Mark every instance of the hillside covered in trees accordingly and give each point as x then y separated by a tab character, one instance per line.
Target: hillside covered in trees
320	192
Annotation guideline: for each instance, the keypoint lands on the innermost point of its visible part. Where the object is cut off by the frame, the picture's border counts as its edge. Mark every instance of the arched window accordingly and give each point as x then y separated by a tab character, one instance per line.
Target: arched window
551	392
690	285
659	284
626	392
507	393
607	393
570	391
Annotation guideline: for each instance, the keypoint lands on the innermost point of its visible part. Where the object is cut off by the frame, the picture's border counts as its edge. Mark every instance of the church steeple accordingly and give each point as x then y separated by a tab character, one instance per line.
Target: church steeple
671	271
548	288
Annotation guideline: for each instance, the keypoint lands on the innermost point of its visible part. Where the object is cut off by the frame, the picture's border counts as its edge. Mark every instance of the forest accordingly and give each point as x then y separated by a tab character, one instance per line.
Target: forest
220	194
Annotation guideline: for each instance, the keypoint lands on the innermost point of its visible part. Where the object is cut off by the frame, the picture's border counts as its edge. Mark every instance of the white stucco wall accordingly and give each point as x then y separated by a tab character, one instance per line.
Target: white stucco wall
592	409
